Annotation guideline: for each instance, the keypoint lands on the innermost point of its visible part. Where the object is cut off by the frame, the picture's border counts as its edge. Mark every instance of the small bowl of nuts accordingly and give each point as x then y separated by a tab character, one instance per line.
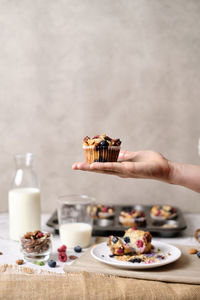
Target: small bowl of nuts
36	245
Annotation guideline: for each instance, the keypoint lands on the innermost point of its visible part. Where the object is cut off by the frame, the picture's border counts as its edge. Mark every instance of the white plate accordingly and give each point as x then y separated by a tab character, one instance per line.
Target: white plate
101	252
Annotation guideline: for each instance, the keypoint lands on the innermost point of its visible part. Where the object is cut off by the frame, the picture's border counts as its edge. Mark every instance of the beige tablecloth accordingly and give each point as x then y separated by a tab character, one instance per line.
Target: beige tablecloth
86	286
23	283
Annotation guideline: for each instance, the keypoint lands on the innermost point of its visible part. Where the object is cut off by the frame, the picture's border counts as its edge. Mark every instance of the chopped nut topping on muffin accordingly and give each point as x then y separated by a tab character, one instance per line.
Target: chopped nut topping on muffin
98	140
163	212
101	211
132	218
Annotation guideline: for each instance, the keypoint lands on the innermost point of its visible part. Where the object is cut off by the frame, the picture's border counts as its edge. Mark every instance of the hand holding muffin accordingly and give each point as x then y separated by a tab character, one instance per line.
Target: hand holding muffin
142	164
146	164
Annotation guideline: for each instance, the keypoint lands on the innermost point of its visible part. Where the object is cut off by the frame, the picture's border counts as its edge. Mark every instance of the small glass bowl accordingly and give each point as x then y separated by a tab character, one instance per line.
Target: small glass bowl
35	248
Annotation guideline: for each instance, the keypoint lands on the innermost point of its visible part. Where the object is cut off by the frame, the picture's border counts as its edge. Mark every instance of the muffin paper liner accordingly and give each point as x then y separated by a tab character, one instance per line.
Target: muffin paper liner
109	154
132	222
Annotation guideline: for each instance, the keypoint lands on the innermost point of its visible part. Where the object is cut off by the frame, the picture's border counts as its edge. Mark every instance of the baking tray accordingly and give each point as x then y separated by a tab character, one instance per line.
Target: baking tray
111	226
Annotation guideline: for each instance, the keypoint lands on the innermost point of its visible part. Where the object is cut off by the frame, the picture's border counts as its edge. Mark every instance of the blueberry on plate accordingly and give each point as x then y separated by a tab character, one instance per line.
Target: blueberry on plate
52	263
198	254
135	260
127	239
77	249
115	239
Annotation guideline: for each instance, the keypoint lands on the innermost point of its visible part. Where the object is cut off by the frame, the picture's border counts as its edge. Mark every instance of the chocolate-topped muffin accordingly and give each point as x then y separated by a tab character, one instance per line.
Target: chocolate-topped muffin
101	148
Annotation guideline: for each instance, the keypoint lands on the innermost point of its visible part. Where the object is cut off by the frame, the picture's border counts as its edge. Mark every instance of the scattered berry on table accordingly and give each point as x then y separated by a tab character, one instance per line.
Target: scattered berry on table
198	254
52	263
77	249
62	257
63	248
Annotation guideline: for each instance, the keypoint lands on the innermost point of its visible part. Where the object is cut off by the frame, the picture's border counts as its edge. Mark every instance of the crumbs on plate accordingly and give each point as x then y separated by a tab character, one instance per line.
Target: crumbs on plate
147	258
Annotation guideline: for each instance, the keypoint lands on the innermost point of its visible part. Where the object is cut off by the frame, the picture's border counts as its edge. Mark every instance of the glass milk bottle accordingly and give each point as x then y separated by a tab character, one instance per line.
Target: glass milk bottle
24	198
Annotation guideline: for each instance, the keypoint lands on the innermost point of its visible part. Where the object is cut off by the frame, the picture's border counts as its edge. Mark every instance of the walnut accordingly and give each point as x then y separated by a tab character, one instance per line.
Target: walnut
19	262
193	251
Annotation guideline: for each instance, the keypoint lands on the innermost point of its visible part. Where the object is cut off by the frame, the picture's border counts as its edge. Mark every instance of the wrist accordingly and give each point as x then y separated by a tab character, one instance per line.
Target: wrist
174	173
185	175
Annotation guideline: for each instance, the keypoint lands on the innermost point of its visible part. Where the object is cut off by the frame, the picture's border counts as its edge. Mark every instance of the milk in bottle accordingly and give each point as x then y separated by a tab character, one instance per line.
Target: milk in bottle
24	198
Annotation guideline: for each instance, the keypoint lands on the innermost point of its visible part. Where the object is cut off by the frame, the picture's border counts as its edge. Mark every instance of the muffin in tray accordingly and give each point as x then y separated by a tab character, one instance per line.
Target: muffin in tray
133	242
133	218
101	211
101	148
165	212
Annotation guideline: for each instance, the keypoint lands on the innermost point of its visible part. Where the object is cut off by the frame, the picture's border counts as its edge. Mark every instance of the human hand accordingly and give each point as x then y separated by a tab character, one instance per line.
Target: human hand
142	164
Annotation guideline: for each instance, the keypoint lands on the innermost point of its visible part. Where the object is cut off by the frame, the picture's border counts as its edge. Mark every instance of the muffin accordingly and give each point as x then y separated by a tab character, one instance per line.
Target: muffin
133	242
101	148
101	211
133	218
165	212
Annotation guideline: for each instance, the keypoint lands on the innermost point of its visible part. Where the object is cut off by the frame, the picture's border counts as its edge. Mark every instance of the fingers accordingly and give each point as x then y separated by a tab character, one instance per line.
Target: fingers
115	167
81	166
126	155
110	167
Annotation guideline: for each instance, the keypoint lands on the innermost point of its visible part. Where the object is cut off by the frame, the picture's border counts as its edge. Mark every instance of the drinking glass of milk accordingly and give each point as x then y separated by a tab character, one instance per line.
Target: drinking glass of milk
24	198
75	220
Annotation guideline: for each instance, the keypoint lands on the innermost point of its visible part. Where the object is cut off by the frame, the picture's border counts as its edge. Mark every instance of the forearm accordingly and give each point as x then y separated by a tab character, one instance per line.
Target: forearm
185	175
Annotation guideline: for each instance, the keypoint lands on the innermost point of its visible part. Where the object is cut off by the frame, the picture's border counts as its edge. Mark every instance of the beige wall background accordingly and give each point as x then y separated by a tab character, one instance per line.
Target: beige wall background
129	68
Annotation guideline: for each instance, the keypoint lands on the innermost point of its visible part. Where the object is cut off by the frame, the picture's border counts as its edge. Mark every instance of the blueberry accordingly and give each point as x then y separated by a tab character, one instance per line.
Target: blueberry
52	263
77	249
103	144
135	260
98	211
100	160
198	254
127	239
115	239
